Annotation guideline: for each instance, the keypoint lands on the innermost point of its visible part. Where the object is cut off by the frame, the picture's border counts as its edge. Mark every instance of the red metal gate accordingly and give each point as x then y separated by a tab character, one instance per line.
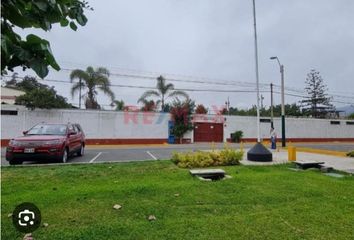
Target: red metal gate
208	132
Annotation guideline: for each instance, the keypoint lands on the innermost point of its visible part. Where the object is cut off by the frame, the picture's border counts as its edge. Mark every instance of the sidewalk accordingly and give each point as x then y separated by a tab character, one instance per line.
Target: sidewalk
344	164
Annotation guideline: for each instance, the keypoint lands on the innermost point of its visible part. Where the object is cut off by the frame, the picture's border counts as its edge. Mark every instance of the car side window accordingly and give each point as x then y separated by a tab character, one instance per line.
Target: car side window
71	128
77	128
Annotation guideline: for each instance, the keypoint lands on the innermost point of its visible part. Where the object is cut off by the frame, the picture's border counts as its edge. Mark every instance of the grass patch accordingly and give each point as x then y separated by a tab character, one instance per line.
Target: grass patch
350	154
257	203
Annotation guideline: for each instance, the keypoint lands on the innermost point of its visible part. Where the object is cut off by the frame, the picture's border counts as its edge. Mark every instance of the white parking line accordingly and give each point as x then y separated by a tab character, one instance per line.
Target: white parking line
93	159
153	157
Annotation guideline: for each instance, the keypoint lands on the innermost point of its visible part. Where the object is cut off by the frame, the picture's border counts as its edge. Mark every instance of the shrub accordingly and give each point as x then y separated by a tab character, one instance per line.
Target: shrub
237	136
206	159
350	154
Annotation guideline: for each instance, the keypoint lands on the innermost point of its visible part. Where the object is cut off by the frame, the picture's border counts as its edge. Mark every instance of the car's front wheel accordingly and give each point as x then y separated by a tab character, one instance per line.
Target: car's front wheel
15	162
64	156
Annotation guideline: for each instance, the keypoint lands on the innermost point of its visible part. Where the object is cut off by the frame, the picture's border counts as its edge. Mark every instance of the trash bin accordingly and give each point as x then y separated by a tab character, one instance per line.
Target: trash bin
171	137
273	141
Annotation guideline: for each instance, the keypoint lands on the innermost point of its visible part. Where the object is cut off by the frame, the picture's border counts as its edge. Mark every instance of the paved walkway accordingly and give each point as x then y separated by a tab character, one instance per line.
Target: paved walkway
344	164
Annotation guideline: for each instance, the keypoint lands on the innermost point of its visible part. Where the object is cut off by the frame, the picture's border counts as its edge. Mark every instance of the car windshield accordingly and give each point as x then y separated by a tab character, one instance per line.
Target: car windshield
50	129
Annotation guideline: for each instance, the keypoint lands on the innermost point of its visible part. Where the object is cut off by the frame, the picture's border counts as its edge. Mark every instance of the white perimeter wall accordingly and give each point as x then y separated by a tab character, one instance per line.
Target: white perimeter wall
96	124
295	128
134	125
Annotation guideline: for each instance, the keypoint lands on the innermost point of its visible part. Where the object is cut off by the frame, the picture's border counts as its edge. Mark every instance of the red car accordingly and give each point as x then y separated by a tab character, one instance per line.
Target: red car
47	141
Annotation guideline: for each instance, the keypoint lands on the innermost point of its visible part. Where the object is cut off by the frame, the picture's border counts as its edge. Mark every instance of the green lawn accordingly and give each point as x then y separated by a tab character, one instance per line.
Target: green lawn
257	203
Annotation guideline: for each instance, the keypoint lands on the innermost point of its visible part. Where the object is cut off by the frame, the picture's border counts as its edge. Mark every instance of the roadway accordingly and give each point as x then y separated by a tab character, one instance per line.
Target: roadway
99	154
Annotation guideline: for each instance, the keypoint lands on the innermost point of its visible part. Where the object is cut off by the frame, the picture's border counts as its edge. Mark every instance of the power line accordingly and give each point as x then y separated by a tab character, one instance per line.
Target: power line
196	90
200	80
302	96
292	89
151	88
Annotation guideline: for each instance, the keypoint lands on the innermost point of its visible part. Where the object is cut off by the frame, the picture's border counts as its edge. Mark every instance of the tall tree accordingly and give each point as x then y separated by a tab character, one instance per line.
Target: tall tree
34	52
163	92
90	81
37	95
318	103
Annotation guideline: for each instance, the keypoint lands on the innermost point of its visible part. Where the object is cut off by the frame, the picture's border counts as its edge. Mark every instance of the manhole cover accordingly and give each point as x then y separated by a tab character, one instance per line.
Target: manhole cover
208	174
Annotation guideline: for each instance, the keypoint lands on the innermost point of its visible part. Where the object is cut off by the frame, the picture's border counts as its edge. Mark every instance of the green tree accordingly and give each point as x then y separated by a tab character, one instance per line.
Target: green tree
181	115
38	95
351	116
90	81
27	84
42	98
318	103
163	92
34	52
290	110
119	105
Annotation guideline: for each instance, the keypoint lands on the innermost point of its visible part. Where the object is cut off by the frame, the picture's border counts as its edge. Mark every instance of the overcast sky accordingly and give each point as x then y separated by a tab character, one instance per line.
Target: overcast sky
211	39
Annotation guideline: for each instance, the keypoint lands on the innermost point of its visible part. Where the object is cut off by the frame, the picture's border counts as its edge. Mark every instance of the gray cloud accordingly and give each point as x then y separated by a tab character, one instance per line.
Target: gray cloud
212	39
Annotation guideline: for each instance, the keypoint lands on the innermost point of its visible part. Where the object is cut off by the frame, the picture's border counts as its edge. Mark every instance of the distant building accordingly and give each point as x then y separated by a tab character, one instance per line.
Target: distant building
8	95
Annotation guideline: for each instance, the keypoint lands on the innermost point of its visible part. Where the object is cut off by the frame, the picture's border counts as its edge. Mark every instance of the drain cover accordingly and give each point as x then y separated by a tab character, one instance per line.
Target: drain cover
213	174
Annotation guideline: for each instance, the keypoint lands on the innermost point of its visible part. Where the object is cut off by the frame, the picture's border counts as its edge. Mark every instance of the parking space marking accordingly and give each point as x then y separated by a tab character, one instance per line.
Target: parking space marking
93	159
151	155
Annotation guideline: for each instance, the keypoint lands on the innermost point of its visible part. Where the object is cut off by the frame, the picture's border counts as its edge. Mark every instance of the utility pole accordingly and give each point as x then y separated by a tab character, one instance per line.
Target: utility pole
283	138
227	103
283	142
271	106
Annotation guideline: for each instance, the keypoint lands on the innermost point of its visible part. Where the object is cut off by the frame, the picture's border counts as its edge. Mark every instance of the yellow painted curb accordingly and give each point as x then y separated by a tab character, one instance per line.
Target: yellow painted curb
321	151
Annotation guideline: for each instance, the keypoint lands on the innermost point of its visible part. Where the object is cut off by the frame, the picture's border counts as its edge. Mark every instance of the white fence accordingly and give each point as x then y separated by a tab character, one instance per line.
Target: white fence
140	125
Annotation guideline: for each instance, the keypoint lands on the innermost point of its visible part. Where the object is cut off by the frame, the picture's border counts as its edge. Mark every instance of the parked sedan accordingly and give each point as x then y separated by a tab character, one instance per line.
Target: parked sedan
47	142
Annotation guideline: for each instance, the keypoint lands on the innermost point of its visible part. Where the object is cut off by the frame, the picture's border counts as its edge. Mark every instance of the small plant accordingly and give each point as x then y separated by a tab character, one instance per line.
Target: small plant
222	157
350	154
237	136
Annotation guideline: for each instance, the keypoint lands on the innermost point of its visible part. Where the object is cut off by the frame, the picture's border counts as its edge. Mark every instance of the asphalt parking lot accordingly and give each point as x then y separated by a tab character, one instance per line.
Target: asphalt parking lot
99	154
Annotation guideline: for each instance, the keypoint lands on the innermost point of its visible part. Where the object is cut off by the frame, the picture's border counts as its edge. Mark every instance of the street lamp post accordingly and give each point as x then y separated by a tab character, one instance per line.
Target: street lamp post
258	152
283	138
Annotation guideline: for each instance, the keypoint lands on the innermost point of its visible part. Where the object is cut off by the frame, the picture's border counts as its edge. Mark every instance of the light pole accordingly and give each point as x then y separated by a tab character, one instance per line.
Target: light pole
283	139
257	72
258	152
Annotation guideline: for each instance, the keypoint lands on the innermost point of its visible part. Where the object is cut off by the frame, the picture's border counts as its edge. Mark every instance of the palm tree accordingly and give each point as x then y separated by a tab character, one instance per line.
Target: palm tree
119	105
163	92
92	80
